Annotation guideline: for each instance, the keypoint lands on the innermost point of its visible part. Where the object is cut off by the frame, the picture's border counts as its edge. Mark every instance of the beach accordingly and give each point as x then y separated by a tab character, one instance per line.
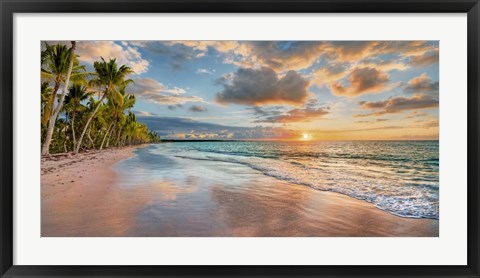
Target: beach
78	193
134	191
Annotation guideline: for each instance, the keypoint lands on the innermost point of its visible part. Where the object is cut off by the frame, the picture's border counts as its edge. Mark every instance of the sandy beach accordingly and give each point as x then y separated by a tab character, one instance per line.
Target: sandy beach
78	197
99	194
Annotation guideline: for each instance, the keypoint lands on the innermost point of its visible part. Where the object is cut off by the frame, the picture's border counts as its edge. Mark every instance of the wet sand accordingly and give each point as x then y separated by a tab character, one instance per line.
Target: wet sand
94	195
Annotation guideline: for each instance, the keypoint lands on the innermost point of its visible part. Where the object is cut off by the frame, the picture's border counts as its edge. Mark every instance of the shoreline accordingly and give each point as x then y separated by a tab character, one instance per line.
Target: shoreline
86	191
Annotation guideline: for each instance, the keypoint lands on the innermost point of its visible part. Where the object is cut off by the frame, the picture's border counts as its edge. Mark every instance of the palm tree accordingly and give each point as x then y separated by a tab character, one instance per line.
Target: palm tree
117	103
56	58
55	65
130	128
121	119
73	105
108	77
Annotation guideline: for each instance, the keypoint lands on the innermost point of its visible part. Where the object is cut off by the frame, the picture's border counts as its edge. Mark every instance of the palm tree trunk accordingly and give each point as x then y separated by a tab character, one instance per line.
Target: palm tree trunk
73	128
111	132
90	118
118	137
106	134
65	140
90	137
53	118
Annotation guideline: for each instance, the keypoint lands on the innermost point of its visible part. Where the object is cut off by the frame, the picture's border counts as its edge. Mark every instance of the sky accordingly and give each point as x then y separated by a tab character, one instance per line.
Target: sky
281	90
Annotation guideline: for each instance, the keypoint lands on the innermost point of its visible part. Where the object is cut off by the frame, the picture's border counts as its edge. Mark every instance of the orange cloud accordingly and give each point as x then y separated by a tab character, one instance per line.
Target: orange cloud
154	91
398	104
272	54
91	51
350	51
347	51
421	84
426	59
331	73
403	48
383	65
222	46
362	81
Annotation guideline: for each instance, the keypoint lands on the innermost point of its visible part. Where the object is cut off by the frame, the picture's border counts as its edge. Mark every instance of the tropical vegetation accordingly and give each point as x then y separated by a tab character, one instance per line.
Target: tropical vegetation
84	110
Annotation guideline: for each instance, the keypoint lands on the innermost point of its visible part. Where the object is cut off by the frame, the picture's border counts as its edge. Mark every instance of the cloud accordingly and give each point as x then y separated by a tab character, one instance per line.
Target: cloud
278	55
362	81
205	71
405	48
416	114
285	55
383	65
146	86
166	99
281	55
222	46
430	124
177	54
197	108
426	59
422	84
280	114
266	111
143	113
175	106
344	58
334	71
91	51
361	129
305	114
358	50
263	86
301	55
185	128
330	73
372	121
175	91
351	50
398	104
154	91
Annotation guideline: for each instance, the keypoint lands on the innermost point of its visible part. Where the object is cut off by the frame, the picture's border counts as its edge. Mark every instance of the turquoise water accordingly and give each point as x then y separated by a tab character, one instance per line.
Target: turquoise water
400	177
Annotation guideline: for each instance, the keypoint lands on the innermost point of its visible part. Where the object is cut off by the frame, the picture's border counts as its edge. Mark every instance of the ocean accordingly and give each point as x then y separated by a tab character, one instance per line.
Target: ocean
400	177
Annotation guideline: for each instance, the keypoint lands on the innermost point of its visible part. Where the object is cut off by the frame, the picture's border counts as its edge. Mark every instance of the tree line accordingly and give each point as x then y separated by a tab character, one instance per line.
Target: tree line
84	110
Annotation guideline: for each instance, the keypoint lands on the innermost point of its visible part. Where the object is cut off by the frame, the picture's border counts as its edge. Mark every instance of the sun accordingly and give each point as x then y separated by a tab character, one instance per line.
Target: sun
306	136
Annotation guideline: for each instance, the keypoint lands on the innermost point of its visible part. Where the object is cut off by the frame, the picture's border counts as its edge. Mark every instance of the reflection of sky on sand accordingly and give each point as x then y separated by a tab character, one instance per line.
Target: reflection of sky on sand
181	200
181	197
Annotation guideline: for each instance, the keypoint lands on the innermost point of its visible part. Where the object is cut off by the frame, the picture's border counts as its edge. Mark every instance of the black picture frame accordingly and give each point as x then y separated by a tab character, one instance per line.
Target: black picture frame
9	7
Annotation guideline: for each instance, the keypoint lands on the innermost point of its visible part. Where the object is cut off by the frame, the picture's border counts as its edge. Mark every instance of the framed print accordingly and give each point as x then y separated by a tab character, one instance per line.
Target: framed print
261	139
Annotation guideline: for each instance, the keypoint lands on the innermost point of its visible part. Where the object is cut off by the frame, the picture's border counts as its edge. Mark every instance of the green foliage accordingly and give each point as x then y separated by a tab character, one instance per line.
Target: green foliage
101	96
